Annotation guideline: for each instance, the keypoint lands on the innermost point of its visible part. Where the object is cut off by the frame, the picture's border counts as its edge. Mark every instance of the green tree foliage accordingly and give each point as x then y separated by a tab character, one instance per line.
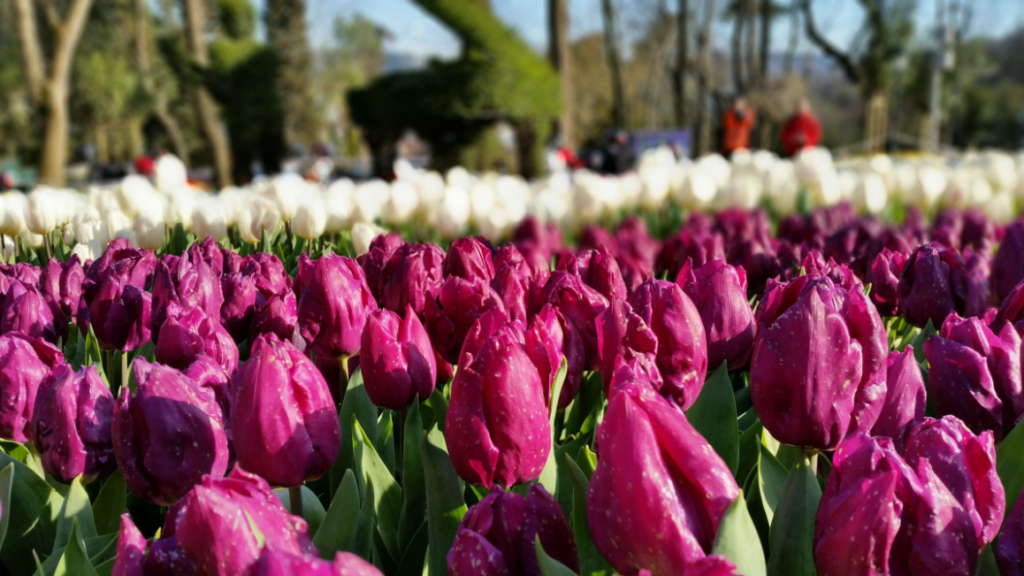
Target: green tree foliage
285	22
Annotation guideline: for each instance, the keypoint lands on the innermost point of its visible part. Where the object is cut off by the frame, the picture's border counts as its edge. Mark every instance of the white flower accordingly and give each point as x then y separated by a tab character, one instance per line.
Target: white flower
338	205
40	212
363	234
33	241
368	199
285	191
169	173
133	192
260	214
869	193
150	231
310	219
210	220
402	202
12	217
453	215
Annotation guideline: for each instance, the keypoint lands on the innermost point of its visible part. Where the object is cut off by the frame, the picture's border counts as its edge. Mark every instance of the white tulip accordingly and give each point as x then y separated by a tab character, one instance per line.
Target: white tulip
454	213
338	205
699	189
402	202
134	192
260	215
150	231
12	219
1000	208
180	207
481	197
368	198
67	234
210	220
40	213
929	186
117	223
363	234
869	193
717	167
169	173
310	219
7	248
33	241
285	192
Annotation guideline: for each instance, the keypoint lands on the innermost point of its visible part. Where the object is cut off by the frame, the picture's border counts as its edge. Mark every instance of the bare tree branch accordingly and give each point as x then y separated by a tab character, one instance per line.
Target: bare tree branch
68	35
843	60
31	53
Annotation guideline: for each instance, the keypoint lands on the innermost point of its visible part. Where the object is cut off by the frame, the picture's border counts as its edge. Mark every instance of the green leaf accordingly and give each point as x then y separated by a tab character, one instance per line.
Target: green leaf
738	541
312	510
6	483
987	563
714	416
564	489
548	565
110	504
366	528
1010	464
384	444
438	407
415	556
337	533
750	449
445	506
792	531
589	399
556	391
387	494
31	516
74	561
918	342
771	481
93	354
76	511
591	561
414	492
356	403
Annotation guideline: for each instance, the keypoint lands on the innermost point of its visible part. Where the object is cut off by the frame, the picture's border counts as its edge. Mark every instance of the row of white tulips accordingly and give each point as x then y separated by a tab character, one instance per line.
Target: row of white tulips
143	210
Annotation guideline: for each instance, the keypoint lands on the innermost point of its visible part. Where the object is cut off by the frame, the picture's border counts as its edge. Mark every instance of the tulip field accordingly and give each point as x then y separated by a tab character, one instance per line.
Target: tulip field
750	367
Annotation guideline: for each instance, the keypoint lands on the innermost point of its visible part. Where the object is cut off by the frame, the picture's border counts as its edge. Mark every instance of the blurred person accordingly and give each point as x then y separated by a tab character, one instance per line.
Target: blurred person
736	126
619	156
561	158
802	130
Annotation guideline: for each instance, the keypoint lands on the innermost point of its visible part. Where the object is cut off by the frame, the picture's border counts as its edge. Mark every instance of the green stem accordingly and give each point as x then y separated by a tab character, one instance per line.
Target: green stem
400	442
343	376
295	499
124	369
108	367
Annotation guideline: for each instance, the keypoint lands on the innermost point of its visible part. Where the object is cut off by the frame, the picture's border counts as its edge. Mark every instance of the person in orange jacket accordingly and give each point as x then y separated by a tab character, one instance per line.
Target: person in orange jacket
736	126
802	130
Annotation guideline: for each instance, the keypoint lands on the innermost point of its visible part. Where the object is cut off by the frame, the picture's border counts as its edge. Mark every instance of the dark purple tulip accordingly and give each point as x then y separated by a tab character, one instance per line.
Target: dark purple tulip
61	284
414	276
497	535
194	333
545	238
529	260
334	306
719	292
1011	311
397	360
376	260
548	339
659	491
975	374
269	273
116	305
24	364
470	259
497	427
884	277
209	252
818	368
25	310
458	305
190	284
274	563
621	332
933	285
905	397
633	244
135	266
580	305
976	272
283	421
688	245
239	304
593	237
210	375
604	275
880	516
1010	548
1008	263
278	315
224	524
168	435
131	548
71	425
513	286
966	464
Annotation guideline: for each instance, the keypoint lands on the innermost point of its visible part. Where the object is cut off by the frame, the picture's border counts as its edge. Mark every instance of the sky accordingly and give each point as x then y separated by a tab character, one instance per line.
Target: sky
416	33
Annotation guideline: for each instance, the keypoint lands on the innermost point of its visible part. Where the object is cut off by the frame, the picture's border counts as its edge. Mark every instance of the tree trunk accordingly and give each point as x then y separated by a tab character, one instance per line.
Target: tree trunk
766	39
739	86
526	147
704	79
611	46
560	54
160	112
206	108
682	61
53	156
794	40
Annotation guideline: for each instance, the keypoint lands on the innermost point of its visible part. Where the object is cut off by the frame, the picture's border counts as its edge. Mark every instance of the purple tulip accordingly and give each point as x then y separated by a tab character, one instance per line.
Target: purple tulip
976	273
277	315
224	524
458	305
1008	263
621	332
376	260
117	307
283	420
269	273
71	425
397	360
688	244
131	548
818	369
530	261
190	284
719	292
274	563
193	333
209	252
497	535
933	285
239	304
548	339
513	286
884	277
659	491
604	275
24	364
413	276
168	435
880	516
25	310
1011	311
61	285
547	239
975	374
580	305
497	427
1010	548
470	259
966	465
334	306
905	397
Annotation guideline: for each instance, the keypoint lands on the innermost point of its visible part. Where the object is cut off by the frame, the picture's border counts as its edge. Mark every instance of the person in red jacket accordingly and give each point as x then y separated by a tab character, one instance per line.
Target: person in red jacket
736	126
801	131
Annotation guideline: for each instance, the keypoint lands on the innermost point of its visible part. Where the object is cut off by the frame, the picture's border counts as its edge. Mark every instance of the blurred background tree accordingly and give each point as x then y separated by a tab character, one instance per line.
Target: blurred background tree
287	36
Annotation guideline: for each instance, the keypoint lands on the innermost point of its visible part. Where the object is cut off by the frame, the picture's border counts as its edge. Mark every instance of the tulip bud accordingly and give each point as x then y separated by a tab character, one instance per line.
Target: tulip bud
1008	262
168	435
975	374
40	213
61	284
469	258
458	305
513	286
131	548
528	260
334	305
966	465
114	300
719	292
26	311
1011	311
497	535
192	334
933	285
604	275
277	315
689	244
190	284
239	306
548	339
283	421
150	230
976	273
497	427
580	304
622	333
397	360
905	397
24	363
71	425
376	260
273	563
659	491
224	524
310	219
413	276
1010	548
884	277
